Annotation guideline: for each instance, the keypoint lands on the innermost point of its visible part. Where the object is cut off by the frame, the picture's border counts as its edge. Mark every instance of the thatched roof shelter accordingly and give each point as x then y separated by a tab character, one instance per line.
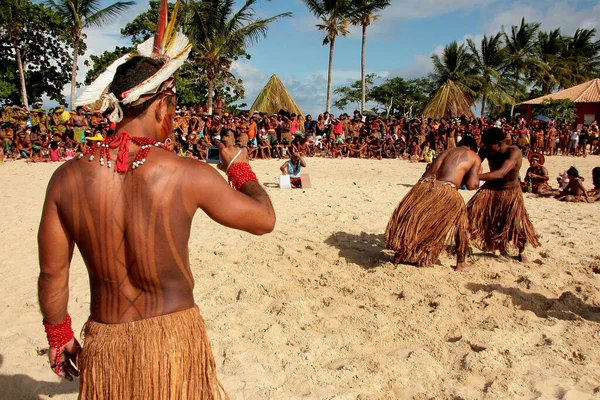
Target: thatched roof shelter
588	92
449	101
273	98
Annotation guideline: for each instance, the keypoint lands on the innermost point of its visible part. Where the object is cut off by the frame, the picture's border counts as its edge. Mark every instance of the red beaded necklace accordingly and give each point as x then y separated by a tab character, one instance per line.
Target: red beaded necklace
121	141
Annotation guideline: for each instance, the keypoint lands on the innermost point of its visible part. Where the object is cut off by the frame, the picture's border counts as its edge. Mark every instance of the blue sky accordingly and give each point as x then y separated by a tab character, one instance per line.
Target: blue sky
399	44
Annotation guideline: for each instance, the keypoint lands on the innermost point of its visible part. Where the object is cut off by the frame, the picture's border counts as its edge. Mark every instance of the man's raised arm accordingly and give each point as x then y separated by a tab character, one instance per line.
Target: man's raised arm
248	208
506	167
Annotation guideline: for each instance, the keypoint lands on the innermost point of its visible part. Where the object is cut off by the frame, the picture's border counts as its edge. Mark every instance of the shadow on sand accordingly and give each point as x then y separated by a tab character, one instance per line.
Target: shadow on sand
567	307
23	387
365	250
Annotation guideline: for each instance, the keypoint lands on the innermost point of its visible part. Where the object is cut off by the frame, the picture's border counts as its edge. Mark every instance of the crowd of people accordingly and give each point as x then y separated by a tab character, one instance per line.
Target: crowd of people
40	136
58	135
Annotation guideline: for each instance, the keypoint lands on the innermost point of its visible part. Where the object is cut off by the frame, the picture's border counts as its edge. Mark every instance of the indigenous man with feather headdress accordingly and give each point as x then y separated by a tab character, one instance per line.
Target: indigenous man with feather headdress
145	337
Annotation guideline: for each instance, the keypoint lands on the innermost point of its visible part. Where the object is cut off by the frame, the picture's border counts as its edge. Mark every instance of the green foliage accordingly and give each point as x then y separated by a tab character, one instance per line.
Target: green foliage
559	110
353	93
79	15
407	97
219	35
397	95
144	25
38	33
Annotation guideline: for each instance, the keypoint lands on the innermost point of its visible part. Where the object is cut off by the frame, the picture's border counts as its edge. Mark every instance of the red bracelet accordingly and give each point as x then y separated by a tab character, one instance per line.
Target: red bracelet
58	335
239	174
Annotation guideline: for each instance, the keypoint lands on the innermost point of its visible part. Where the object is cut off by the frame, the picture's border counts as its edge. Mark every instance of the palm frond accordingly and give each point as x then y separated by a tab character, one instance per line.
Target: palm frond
105	15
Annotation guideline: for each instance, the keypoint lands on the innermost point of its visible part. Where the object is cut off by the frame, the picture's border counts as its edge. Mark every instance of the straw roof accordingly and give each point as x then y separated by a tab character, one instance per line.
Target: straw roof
588	92
273	98
449	101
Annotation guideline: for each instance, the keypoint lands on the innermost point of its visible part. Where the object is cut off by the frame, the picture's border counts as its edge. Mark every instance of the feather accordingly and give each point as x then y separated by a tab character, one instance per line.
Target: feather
170	28
145	49
150	85
159	37
93	92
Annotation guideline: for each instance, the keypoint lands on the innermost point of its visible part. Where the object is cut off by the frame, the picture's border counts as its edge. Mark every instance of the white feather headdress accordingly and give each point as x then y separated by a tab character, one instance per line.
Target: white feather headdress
167	45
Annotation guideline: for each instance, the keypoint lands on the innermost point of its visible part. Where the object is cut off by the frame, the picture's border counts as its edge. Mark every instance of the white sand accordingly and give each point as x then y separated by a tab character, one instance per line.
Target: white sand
316	310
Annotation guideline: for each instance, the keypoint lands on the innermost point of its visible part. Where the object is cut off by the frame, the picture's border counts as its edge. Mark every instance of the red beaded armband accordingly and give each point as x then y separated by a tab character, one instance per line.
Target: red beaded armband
58	335
239	174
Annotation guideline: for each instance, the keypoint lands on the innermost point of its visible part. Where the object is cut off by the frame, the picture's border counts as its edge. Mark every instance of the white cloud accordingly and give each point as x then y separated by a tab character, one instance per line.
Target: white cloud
254	79
551	14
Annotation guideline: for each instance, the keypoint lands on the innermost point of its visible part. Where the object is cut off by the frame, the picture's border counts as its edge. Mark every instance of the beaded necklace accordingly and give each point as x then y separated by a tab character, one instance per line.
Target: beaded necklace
121	141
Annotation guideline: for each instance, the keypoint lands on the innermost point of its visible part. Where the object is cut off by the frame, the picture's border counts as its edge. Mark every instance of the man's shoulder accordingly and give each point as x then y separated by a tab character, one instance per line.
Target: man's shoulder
512	150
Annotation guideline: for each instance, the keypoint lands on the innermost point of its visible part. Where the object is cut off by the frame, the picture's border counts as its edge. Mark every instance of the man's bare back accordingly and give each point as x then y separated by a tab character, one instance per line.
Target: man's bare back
132	230
459	165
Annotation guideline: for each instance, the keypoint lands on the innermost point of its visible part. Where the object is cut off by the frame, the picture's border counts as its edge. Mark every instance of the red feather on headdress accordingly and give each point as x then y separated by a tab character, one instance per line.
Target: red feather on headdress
163	16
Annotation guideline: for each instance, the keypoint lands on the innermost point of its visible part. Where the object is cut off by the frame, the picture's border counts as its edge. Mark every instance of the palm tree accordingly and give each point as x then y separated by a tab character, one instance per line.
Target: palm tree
80	15
11	13
551	49
219	34
363	15
583	55
520	45
335	16
457	82
490	61
456	64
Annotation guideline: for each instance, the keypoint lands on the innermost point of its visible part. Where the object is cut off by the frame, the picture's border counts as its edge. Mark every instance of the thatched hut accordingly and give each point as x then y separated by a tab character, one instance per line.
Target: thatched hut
274	98
449	101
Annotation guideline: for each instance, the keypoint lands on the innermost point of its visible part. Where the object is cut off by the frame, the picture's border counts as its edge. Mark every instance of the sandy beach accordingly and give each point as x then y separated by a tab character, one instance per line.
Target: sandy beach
316	310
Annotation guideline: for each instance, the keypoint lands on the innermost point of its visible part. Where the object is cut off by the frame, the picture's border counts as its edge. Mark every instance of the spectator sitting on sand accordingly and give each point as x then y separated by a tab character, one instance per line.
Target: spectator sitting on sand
293	166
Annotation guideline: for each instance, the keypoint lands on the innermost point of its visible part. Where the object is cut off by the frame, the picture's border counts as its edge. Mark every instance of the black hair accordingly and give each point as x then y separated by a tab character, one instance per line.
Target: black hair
492	136
79	108
596	177
468	141
131	74
573	172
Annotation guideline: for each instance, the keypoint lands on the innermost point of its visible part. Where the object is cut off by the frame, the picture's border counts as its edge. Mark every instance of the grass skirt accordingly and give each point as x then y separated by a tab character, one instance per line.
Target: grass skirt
498	218
166	357
426	222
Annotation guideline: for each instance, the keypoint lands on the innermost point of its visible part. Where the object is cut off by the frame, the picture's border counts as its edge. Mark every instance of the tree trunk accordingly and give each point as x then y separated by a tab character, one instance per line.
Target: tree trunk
514	100
362	68
74	71
331	48
483	106
22	88
209	99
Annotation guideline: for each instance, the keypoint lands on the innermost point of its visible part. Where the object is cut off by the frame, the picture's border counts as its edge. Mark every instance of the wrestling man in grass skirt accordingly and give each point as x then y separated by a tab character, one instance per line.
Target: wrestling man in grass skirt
497	214
433	214
128	205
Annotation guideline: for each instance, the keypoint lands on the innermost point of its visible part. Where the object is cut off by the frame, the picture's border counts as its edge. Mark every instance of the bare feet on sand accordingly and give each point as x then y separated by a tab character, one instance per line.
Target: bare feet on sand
461	266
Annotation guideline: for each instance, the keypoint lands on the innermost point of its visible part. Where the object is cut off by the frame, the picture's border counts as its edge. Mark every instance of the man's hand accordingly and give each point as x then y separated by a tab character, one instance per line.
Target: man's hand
231	153
67	360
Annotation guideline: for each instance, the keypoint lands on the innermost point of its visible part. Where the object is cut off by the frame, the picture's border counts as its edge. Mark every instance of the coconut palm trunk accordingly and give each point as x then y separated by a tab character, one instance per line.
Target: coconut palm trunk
514	101
362	68
74	70
210	95
329	73
483	99
21	68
